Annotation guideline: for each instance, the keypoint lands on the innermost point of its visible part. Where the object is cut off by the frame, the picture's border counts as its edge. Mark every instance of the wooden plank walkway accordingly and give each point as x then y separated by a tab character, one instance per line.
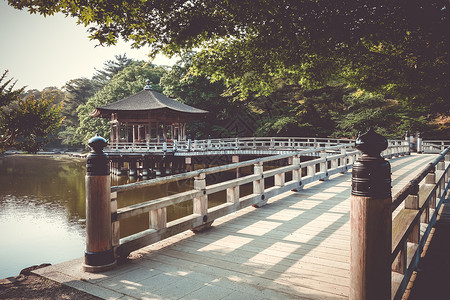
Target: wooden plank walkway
296	247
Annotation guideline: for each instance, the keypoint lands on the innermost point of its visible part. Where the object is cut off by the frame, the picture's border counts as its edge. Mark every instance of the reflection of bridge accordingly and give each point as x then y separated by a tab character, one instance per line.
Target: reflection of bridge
295	246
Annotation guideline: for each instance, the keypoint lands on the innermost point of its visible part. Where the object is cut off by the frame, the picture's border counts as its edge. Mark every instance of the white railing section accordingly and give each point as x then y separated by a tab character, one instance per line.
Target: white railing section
329	161
249	143
411	226
435	146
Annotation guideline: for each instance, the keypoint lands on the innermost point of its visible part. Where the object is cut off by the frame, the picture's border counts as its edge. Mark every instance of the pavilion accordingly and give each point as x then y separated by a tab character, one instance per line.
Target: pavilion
147	117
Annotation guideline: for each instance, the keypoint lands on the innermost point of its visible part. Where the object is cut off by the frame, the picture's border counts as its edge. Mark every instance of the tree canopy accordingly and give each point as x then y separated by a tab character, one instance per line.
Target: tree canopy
400	48
126	82
26	123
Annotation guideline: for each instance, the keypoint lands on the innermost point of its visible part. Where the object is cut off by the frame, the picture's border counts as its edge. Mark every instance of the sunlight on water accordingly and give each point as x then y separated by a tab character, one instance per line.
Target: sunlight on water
41	213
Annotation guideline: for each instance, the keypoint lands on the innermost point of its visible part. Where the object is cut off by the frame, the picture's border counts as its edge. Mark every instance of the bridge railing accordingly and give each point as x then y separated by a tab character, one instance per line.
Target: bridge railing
245	143
329	161
435	146
301	172
422	198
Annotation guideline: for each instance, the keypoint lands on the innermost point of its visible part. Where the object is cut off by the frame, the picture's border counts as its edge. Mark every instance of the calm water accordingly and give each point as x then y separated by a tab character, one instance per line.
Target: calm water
42	210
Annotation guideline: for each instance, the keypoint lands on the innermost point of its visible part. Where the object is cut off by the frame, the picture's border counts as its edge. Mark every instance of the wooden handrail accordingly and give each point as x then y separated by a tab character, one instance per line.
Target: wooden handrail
411	226
341	158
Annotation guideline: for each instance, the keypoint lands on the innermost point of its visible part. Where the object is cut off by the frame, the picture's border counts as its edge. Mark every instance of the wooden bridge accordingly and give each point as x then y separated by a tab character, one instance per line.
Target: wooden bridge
148	160
287	238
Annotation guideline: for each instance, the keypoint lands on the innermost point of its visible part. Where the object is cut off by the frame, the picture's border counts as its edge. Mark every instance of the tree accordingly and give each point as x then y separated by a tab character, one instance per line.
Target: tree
26	123
111	68
365	110
197	91
125	83
77	92
295	111
396	47
7	92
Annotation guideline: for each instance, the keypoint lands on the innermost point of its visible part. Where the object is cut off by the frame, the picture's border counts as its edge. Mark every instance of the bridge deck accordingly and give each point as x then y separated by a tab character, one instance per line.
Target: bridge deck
296	247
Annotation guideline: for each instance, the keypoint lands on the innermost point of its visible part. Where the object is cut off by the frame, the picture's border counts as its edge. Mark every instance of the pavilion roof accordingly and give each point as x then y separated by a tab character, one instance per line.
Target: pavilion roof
146	100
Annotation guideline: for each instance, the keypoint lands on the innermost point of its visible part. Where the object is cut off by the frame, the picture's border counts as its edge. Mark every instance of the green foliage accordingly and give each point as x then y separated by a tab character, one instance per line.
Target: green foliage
77	92
7	92
199	92
125	83
294	111
366	110
26	124
111	68
400	48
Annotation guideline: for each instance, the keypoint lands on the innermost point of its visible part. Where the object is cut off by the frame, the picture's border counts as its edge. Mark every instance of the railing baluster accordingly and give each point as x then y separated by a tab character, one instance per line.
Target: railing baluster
115	224
279	179
258	185
296	173
201	203
158	218
399	264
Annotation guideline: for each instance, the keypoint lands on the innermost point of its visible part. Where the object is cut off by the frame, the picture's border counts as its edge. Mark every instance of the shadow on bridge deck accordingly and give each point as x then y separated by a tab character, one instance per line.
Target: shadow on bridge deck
296	247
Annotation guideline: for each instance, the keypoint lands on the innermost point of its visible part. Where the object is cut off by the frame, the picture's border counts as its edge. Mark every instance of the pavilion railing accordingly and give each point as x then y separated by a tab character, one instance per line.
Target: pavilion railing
249	143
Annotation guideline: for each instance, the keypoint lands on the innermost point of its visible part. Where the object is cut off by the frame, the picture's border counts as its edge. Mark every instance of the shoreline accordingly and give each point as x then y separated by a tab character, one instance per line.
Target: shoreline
70	154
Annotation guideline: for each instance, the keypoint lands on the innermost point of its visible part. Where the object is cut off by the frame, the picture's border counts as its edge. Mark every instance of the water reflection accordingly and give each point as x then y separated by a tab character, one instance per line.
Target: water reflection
42	208
41	205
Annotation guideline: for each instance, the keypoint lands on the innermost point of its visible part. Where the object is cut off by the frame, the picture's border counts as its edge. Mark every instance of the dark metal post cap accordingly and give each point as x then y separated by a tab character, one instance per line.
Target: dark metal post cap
97	144
97	162
371	174
371	143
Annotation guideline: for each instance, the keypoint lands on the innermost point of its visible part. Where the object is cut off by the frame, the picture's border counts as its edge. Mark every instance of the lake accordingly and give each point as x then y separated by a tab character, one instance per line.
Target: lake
43	211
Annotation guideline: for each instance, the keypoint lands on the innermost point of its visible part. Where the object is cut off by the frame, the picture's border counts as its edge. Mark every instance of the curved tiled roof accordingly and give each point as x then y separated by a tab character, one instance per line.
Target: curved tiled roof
148	100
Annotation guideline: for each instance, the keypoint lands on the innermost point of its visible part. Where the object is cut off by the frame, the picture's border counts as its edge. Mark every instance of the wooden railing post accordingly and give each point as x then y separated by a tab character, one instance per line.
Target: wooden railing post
419	143
258	185
371	221
158	218
297	172
408	140
99	255
115	224
201	203
324	165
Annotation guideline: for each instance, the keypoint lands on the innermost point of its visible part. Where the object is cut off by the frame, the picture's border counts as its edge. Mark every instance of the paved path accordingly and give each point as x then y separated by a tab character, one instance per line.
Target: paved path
296	247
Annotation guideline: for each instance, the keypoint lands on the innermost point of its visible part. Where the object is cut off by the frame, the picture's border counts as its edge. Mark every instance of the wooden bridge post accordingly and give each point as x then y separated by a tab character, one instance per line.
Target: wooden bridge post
201	203
235	159
258	185
371	221
408	140
99	255
419	143
297	172
323	165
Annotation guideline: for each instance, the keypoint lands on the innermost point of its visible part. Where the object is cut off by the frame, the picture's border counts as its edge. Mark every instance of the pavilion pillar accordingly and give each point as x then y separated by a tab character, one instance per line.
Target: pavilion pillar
117	132
111	132
164	133
126	132
183	131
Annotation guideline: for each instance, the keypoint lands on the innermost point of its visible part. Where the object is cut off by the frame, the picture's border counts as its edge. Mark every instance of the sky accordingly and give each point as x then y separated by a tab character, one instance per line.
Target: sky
41	52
